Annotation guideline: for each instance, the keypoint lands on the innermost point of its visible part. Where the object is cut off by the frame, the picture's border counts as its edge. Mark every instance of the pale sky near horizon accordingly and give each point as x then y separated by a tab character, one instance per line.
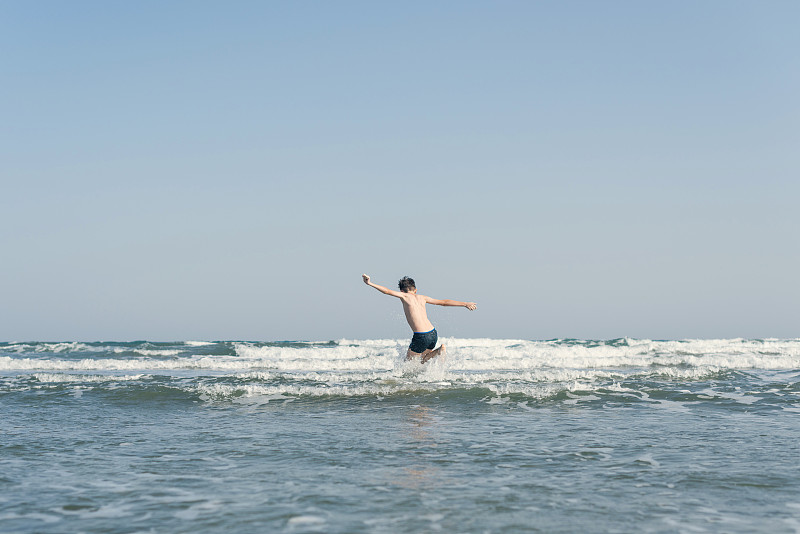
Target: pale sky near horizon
228	170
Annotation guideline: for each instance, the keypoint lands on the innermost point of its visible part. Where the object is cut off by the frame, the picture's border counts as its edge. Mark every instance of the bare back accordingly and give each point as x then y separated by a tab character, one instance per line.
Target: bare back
416	315
414	308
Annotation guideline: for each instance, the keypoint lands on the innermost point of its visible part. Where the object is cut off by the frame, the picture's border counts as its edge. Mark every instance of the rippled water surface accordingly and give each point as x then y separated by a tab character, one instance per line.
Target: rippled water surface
501	436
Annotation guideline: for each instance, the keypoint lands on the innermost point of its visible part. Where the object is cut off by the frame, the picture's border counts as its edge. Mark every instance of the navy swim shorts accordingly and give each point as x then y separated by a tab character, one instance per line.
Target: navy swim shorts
423	341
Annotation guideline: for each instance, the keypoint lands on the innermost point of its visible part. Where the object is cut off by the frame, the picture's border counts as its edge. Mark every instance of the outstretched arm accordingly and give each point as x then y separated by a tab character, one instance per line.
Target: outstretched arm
447	302
384	290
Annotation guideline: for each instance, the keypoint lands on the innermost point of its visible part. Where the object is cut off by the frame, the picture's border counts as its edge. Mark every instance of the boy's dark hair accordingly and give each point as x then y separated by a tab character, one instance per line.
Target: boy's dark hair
406	284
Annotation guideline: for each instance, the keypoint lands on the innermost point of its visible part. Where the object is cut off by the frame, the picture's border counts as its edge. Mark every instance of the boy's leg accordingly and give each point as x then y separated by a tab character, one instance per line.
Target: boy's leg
428	354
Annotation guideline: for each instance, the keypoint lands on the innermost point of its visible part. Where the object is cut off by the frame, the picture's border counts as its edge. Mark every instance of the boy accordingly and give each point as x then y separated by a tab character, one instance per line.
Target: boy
425	337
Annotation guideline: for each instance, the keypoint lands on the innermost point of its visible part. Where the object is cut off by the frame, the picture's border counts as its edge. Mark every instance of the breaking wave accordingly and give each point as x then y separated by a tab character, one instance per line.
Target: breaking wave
481	368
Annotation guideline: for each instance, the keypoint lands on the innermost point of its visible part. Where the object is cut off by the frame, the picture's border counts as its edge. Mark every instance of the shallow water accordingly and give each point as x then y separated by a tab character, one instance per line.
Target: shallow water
502	436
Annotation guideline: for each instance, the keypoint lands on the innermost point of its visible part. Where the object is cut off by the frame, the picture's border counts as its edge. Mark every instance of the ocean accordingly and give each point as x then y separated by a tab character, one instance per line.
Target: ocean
344	436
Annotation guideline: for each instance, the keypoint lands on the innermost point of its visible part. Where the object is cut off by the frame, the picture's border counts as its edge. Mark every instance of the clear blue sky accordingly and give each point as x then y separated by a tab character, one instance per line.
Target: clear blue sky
227	170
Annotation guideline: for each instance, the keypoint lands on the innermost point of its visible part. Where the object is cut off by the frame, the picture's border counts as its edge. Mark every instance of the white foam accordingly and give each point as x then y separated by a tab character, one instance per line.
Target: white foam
61	377
684	359
148	352
537	369
738	397
666	357
72	346
105	364
274	392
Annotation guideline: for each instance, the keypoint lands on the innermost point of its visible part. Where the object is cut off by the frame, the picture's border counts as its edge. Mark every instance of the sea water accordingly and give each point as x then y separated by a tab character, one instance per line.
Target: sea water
345	436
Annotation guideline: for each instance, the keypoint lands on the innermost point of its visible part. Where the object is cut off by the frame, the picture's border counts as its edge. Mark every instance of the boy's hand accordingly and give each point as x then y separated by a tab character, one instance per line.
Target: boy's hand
471	306
366	278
